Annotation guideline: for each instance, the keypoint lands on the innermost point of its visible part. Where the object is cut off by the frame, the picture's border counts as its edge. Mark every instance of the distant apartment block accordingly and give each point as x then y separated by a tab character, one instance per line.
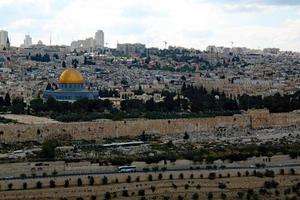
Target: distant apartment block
90	43
4	40
27	42
99	39
131	49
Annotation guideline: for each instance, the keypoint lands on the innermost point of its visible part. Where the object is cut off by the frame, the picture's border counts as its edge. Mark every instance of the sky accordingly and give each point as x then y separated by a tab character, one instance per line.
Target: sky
185	23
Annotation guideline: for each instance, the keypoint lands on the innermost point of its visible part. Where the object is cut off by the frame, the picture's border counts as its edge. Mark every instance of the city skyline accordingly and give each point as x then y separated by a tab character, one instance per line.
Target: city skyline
191	24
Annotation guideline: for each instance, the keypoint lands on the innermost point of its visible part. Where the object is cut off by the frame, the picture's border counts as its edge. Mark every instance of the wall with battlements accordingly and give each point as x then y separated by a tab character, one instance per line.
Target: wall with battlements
255	119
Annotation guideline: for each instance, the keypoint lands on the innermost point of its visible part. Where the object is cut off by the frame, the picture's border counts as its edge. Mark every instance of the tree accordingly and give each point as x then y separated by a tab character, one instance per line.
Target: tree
63	64
37	105
54	173
160	176
24	186
91	180
183	78
52	184
292	171
48	87
168	103
79	182
152	188
124	82
7	100
150	105
104	180
137	179
39	185
147	60
125	193
174	186
141	192
195	196
223	196
18	106
269	173
240	195
10	185
222	185
55	56
179	197
150	178
271	184
247	173
210	195
181	176
66	183
75	63
48	148
1	101
107	196
186	186
128	180
212	176
186	136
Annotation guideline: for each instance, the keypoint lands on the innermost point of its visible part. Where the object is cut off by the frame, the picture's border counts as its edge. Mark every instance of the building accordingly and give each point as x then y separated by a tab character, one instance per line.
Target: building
89	44
4	40
40	42
71	88
271	50
212	49
131	49
99	39
27	41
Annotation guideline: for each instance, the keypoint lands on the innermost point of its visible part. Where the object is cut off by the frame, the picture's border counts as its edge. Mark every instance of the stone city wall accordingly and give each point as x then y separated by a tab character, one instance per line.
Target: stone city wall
255	119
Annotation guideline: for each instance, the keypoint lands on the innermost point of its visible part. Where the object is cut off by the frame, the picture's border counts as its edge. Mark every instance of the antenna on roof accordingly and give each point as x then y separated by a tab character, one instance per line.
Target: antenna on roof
50	38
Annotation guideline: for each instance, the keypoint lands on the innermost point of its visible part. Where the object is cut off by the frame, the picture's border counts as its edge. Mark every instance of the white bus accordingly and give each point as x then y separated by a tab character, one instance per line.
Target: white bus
125	169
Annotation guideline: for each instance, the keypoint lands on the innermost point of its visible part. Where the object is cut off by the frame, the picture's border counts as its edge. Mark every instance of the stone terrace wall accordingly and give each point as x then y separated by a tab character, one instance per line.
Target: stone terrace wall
255	119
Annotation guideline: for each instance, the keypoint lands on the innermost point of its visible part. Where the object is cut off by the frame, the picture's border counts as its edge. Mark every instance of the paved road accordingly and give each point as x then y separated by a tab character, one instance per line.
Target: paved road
167	170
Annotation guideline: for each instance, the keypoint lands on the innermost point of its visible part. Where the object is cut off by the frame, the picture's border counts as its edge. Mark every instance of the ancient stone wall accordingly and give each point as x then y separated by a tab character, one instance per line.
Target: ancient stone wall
255	119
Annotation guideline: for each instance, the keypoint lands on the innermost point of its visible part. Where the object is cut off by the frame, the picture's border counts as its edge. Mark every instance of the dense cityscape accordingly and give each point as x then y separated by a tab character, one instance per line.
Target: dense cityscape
88	120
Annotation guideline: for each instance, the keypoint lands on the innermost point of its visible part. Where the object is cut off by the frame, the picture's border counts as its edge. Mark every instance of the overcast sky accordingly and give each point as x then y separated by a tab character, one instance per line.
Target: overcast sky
188	23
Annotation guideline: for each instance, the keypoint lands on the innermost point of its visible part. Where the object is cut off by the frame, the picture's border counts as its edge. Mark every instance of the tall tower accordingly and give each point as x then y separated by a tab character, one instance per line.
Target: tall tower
27	41
99	39
4	41
197	75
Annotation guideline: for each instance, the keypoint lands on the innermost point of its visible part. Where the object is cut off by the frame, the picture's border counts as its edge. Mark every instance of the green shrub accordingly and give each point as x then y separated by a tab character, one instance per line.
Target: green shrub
212	176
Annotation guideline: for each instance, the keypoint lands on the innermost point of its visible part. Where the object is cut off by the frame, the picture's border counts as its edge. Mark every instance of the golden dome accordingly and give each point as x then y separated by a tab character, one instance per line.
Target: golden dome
71	76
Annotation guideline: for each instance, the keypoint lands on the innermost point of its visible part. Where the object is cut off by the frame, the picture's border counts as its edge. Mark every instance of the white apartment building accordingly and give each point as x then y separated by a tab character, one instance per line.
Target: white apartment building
4	41
27	41
89	43
130	49
99	39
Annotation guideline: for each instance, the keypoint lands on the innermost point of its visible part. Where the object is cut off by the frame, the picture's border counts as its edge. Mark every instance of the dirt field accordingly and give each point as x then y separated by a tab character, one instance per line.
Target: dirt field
29	119
165	188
